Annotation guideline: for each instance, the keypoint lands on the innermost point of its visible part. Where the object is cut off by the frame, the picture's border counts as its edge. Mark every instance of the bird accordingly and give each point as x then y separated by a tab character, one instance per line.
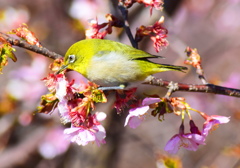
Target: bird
112	65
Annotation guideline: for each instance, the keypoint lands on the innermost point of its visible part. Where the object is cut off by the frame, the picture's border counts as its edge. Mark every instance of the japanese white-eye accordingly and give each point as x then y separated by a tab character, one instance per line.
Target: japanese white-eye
111	64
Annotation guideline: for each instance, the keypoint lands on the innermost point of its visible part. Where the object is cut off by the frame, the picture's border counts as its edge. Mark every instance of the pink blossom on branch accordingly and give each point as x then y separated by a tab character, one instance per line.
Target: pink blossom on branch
94	30
212	122
99	31
157	4
156	32
77	110
194	59
82	135
191	141
137	115
123	97
159	41
51	81
23	32
188	141
85	127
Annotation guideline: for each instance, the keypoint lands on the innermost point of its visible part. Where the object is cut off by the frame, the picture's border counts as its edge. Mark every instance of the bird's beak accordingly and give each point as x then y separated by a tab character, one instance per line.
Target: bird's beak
61	69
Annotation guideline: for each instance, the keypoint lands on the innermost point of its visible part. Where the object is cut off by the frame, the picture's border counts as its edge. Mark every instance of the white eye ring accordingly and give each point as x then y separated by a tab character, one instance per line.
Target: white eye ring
71	58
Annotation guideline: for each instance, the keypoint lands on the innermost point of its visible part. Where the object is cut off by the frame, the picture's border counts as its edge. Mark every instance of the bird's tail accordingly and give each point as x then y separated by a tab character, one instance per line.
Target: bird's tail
167	67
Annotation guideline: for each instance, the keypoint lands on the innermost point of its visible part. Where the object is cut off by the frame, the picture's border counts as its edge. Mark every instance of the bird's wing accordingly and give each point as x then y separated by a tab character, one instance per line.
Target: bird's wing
132	54
139	54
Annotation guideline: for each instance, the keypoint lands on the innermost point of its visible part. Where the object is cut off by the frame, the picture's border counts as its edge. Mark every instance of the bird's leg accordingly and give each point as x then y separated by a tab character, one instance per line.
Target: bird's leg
120	87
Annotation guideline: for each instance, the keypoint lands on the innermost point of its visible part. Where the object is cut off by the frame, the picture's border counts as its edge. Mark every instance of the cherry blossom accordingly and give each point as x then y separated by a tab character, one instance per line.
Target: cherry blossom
137	115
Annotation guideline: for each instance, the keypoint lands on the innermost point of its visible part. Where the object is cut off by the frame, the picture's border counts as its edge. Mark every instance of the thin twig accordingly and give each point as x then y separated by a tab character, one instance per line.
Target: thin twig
23	44
206	88
124	12
171	88
203	79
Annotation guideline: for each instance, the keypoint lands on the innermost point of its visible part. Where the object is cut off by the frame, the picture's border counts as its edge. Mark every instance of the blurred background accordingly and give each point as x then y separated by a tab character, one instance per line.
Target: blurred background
36	140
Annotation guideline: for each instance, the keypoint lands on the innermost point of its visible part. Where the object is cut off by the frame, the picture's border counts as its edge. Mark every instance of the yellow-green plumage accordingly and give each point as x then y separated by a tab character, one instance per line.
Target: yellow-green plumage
109	63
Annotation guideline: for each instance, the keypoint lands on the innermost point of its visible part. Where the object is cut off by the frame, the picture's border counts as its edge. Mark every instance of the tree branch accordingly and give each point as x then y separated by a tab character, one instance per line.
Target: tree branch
124	12
207	88
23	44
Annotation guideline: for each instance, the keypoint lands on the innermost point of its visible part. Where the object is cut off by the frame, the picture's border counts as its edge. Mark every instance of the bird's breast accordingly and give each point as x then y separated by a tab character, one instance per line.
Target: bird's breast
113	69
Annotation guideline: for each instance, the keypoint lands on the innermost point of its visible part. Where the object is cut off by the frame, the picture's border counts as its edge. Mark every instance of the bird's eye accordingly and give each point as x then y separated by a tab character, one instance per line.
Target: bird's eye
71	58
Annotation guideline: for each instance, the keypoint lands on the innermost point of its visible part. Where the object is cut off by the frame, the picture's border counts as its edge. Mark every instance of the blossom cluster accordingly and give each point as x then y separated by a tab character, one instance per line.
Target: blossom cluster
99	31
6	49
157	4
26	34
157	32
194	59
177	105
75	105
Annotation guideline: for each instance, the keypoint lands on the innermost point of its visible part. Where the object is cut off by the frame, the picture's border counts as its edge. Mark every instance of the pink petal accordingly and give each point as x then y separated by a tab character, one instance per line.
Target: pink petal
135	116
64	111
79	135
148	101
134	122
213	121
82	136
100	135
221	119
188	141
61	88
138	111
172	145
